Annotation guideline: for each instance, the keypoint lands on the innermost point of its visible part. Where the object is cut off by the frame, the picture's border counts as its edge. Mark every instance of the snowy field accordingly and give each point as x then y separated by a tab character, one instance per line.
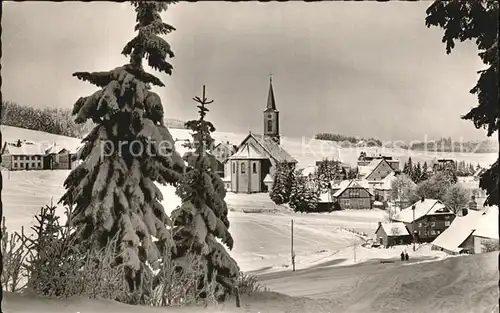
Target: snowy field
262	240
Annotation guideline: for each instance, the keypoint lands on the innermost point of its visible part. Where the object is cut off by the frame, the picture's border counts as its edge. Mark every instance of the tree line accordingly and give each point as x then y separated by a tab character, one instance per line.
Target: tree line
58	121
448	145
354	140
301	192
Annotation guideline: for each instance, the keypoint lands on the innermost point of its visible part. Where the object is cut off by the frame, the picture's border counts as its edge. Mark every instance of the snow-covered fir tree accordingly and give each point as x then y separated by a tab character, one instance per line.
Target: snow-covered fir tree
326	172
201	225
302	198
113	190
282	183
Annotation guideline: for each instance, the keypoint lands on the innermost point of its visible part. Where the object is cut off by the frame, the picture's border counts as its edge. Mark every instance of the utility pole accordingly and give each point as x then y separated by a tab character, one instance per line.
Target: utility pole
414	231
292	251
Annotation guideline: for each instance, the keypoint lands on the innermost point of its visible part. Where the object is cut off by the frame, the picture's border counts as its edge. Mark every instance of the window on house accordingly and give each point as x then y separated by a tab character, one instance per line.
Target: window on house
15	165
438	231
354	193
425	234
33	157
446	217
22	165
242	165
433	224
21	158
447	223
433	232
254	168
269	125
419	224
15	158
234	167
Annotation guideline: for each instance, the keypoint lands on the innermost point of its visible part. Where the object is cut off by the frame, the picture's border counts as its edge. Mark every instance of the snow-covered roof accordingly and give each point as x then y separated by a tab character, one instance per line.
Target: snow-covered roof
345	184
24	149
394	229
268	178
247	152
325	198
459	230
386	183
487	223
367	170
422	208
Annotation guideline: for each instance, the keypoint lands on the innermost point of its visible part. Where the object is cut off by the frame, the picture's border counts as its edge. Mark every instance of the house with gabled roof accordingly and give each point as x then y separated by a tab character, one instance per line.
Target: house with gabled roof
470	233
222	151
390	234
352	194
251	167
426	219
376	170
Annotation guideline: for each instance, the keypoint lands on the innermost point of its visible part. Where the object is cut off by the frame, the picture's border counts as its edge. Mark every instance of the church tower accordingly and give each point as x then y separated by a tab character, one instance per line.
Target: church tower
271	116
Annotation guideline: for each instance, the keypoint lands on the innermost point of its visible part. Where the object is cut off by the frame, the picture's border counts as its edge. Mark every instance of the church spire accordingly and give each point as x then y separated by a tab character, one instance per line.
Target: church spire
271	103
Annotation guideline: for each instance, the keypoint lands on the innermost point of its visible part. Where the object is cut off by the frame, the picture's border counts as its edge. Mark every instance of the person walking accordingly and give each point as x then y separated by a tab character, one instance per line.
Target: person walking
407	257
402	255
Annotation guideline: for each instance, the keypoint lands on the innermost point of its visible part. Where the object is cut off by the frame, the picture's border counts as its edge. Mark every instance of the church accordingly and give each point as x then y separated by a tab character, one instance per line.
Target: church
251	168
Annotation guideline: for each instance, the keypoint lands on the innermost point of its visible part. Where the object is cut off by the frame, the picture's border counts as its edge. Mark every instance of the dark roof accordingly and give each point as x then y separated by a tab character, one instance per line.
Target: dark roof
271	103
271	147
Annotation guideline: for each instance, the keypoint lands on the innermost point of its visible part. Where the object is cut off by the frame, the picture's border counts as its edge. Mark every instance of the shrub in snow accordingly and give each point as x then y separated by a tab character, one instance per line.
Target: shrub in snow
113	190
302	198
282	183
201	225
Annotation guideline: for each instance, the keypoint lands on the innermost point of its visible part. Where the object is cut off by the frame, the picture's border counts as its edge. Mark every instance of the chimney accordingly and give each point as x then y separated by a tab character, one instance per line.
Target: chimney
422	199
379	224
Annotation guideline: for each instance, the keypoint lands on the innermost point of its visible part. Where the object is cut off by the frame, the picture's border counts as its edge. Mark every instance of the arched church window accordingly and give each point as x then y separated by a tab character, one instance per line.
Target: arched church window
234	167
269	125
254	168
242	168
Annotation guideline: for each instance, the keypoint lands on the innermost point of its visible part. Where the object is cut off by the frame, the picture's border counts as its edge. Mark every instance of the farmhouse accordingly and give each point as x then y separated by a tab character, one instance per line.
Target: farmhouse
31	156
376	170
430	217
471	233
256	157
390	234
352	194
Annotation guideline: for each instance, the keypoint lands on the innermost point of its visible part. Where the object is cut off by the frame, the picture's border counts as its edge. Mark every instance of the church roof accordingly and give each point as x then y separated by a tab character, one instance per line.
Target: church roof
247	152
274	149
271	103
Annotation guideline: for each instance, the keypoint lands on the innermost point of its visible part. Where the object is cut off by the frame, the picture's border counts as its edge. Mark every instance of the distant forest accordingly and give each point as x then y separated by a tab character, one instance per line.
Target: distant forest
442	145
346	140
56	121
448	145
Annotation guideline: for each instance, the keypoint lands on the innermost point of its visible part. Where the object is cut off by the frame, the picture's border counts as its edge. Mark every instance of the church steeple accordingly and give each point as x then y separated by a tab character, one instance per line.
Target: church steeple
271	116
271	103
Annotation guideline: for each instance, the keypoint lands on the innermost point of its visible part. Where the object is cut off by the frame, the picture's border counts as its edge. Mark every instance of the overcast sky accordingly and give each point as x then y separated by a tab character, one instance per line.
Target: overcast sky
356	68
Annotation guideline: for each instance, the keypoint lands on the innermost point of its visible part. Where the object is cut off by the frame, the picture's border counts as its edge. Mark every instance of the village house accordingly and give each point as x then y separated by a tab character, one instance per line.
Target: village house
426	219
383	189
391	234
352	194
31	156
251	168
365	160
222	151
470	233
376	170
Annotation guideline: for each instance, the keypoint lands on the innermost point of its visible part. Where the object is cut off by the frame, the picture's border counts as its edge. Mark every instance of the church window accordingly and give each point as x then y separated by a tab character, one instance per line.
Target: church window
234	167
242	168
269	125
254	168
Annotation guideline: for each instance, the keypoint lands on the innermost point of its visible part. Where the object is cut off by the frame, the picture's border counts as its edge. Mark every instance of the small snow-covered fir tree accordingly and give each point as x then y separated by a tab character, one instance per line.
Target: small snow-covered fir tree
282	183
302	198
113	190
201	225
326	172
